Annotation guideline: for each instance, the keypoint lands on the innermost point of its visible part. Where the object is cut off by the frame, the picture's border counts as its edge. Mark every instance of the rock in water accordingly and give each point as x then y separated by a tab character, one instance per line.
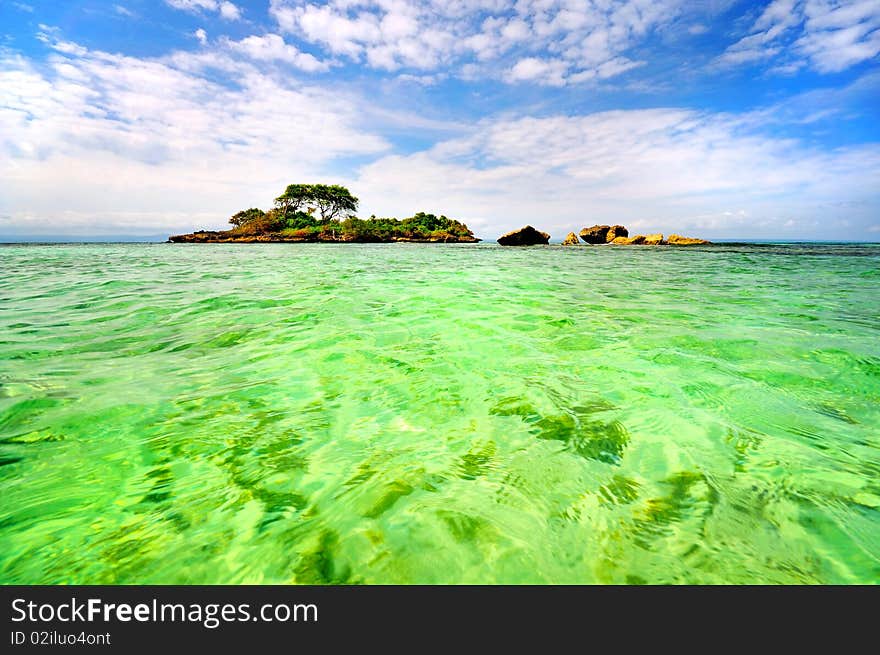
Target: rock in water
570	240
629	241
595	234
677	240
654	240
199	236
616	231
526	236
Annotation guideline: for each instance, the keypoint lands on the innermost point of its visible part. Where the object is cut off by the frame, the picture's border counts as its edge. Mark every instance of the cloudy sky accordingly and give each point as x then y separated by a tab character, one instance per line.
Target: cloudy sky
719	118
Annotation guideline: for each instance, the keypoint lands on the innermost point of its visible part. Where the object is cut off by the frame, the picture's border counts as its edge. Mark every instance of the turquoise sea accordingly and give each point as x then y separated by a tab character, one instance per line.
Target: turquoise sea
407	413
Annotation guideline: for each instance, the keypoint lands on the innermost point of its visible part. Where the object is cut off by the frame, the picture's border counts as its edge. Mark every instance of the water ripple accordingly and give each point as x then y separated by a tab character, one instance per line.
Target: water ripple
435	414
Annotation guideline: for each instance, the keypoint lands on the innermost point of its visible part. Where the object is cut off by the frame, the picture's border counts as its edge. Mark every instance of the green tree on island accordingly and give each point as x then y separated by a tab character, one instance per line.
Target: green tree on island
331	200
246	216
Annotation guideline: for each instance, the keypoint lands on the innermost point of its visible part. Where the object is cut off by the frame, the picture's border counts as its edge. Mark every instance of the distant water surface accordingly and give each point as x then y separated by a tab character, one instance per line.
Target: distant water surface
321	413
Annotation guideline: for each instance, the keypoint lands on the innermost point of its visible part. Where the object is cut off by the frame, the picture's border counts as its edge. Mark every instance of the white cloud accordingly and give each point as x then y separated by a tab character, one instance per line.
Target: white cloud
541	41
828	36
746	55
227	10
155	145
340	33
271	47
653	170
543	71
421	80
608	69
145	145
180	142
124	11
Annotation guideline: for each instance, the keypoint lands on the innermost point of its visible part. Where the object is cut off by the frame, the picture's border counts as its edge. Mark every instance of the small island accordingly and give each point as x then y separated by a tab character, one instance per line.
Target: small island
325	213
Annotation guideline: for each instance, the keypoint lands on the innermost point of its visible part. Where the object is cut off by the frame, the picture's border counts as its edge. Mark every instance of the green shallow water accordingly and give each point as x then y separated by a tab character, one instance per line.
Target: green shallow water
439	414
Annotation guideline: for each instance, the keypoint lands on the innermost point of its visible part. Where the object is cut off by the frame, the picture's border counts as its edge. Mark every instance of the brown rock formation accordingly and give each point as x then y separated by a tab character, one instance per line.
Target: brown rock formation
629	241
616	231
595	234
677	240
526	236
570	240
652	239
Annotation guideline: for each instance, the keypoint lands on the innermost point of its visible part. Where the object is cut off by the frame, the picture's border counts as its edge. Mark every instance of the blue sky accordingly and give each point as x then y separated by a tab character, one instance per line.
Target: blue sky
724	118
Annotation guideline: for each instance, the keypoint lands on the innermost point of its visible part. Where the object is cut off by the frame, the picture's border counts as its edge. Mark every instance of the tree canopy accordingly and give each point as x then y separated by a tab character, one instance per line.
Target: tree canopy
246	216
331	200
421	226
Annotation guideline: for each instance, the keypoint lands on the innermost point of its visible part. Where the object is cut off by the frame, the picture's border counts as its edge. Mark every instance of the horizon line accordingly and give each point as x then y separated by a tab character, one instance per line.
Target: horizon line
68	240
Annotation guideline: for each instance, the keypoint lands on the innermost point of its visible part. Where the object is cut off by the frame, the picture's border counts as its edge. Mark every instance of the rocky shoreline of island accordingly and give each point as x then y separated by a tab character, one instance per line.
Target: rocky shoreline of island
227	236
